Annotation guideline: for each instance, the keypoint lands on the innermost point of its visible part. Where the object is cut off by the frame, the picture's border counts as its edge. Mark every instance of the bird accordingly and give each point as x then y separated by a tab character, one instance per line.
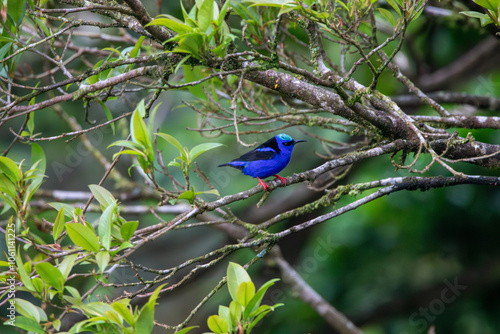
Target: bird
268	159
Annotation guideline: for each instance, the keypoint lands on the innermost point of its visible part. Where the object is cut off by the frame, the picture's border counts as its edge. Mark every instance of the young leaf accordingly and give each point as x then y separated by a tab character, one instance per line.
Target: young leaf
108	114
68	209
172	24
105	224
265	310
58	225
102	195
127	229
29	324
10	169
102	258
67	264
29	310
254	303
185	330
122	306
217	324
145	320
489	4
225	314
202	148
83	236
170	139
235	310
23	273
50	274
16	9
388	15
188	195
205	14
236	275
245	293
140	132
137	47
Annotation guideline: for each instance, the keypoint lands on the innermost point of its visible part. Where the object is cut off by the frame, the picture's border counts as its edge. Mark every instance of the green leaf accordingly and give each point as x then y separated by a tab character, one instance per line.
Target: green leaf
223	12
23	273
68	209
67	264
187	195
140	132
122	306
245	293
102	258
264	310
108	114
236	275
388	15
50	275
185	330
394	6
225	314
104	226
127	229
190	43
172	24
16	9
270	3
489	4
102	195
58	225
235	310
83	236
137	47
211	191
10	169
29	325
254	303
145	321
170	139
29	310
484	18
202	148
476	15
38	156
8	187
217	324
190	18
75	298
205	14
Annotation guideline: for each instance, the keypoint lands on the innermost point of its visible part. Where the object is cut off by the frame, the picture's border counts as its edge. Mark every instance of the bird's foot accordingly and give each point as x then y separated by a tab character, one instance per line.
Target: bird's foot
263	184
282	179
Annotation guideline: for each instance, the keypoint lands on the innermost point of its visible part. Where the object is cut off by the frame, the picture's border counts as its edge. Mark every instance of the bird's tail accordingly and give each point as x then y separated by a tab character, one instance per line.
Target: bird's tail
235	164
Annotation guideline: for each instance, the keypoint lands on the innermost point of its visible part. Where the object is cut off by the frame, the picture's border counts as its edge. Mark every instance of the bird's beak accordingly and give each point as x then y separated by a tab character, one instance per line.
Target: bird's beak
298	141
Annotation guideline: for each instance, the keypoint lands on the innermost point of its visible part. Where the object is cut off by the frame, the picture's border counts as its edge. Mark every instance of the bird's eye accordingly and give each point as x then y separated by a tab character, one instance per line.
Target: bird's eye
287	143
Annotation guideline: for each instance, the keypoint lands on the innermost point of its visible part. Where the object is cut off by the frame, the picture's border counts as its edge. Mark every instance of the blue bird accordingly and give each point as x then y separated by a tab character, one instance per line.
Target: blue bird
266	160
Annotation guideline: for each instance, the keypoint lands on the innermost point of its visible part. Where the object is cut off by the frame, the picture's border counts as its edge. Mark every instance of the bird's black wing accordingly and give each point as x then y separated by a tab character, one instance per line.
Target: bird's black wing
264	151
257	154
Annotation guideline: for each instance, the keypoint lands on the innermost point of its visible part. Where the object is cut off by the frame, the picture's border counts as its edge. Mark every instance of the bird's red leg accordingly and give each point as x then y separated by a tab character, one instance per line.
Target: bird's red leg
282	179
263	184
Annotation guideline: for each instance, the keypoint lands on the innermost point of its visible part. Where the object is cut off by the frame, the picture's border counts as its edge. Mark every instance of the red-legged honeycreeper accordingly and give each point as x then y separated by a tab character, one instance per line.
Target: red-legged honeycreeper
266	160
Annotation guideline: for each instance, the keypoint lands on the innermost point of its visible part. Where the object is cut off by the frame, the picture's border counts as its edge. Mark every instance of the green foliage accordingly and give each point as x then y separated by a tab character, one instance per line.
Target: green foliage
492	15
17	187
185	160
117	317
141	143
203	30
245	309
